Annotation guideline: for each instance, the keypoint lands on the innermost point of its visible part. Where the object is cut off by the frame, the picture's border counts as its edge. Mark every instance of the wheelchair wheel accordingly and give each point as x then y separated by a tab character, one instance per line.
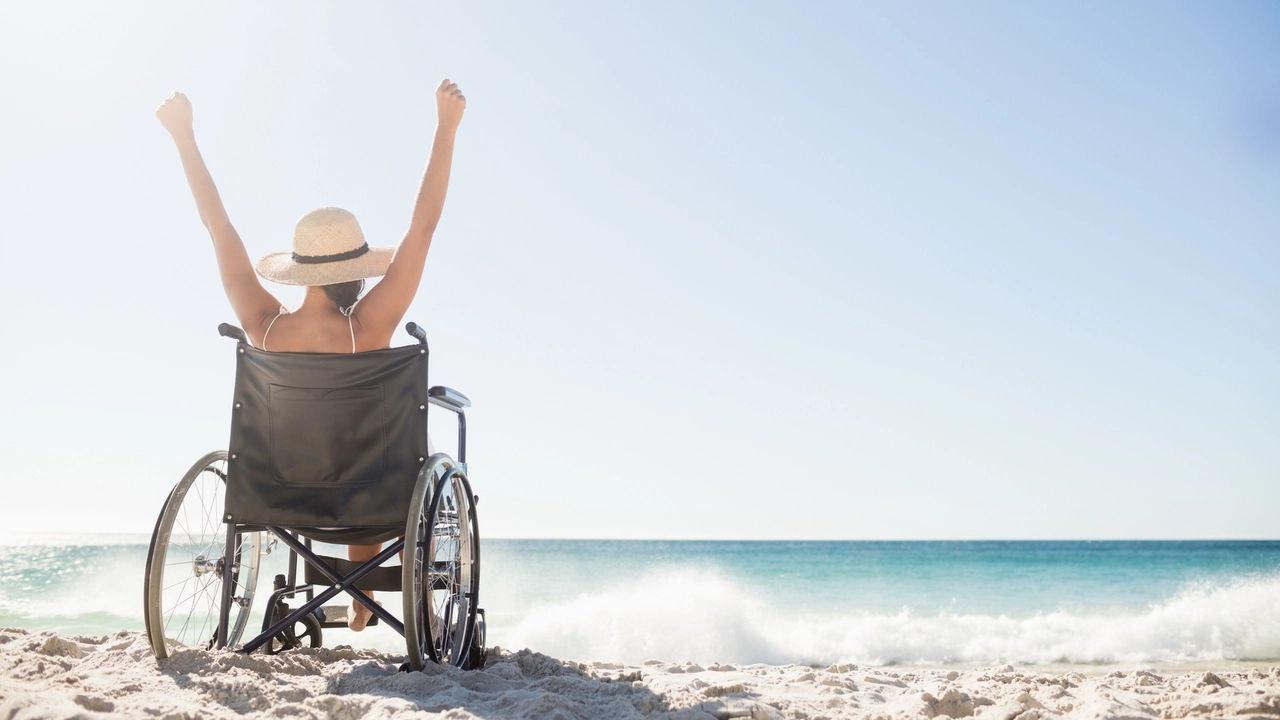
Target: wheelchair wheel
305	632
442	573
185	562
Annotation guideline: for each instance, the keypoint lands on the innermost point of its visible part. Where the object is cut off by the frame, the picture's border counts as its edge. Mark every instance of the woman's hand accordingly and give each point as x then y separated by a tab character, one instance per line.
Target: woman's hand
175	114
450	103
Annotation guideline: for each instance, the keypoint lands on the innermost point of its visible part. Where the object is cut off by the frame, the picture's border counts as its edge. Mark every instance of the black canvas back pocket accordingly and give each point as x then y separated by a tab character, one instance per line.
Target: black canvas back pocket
327	437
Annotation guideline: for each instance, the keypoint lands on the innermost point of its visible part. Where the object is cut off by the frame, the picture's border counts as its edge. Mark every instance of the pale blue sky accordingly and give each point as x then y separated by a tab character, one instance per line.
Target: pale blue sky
717	269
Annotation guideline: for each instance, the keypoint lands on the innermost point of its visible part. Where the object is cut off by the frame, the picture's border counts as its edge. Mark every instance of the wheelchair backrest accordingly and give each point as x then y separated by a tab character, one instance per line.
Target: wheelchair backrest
326	440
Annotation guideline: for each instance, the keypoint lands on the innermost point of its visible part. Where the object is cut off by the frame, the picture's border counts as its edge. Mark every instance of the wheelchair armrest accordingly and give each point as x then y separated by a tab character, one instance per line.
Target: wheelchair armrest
448	398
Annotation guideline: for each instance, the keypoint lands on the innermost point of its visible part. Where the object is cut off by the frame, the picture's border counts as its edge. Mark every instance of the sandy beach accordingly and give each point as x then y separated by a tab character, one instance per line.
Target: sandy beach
46	675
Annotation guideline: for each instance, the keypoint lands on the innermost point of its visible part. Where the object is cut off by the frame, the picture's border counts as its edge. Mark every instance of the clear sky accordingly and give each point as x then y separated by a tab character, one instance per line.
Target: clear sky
707	270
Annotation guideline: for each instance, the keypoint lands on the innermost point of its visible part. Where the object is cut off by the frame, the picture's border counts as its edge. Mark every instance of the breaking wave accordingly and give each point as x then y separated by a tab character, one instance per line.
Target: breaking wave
678	615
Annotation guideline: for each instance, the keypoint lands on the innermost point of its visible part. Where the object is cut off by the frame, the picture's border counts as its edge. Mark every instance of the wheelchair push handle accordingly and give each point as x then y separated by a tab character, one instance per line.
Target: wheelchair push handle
231	331
416	331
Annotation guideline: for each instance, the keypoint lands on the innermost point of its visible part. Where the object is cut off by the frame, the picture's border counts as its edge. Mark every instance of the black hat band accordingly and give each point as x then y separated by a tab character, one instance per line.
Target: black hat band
338	257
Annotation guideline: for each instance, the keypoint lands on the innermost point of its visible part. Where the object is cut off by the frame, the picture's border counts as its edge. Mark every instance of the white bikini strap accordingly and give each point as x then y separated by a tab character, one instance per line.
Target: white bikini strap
268	332
351	313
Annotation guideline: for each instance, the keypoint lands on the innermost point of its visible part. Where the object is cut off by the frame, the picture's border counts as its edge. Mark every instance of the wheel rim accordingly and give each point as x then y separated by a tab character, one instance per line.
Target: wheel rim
416	631
451	576
184	578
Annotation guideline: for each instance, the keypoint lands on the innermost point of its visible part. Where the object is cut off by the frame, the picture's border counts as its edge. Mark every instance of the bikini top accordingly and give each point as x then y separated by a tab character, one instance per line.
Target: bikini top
282	312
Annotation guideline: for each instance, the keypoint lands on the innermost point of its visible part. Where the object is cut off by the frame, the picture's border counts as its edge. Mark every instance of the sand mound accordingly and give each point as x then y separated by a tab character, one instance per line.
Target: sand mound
51	676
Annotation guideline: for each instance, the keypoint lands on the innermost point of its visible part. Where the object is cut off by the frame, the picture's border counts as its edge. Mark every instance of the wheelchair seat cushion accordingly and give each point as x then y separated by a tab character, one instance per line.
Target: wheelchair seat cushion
326	440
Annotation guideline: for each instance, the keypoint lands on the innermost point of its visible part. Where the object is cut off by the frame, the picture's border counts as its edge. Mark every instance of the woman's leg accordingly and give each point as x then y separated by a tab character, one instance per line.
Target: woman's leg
359	615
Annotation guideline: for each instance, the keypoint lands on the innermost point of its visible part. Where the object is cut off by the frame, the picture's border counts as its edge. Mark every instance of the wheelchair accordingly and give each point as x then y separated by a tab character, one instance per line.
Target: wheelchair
329	448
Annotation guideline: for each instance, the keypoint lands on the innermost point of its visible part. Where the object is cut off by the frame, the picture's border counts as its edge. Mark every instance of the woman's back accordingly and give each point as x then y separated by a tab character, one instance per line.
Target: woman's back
319	326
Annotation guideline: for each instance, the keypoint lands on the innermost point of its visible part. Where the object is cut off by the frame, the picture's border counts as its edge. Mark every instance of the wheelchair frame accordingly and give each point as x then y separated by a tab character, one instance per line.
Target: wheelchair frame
441	511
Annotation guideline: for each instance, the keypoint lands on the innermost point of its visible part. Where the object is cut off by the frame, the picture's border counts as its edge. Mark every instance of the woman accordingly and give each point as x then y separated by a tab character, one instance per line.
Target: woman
330	258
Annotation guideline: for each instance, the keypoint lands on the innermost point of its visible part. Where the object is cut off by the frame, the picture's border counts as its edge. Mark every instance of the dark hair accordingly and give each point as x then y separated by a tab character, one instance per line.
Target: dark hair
345	294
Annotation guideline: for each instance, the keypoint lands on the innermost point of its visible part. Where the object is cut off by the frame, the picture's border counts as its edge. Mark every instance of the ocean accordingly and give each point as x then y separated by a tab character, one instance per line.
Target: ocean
873	603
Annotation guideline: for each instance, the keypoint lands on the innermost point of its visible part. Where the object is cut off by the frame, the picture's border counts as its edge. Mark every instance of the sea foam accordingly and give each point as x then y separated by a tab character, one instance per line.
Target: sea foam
692	615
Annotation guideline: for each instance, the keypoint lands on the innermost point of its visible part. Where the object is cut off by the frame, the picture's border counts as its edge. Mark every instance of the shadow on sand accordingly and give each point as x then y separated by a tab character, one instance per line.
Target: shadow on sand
342	682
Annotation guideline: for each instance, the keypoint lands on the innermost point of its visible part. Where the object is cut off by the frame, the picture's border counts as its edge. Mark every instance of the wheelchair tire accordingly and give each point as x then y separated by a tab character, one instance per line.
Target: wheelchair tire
441	581
183	578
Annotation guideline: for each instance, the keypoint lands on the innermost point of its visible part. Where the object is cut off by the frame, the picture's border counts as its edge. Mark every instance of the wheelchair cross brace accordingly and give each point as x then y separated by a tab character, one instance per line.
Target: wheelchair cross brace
341	584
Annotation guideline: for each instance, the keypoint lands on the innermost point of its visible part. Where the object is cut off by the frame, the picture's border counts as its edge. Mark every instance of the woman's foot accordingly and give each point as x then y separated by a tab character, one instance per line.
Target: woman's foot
359	616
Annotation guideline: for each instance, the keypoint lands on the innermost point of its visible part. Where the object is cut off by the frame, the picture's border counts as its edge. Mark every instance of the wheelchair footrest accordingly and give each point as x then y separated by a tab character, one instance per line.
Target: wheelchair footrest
335	616
386	579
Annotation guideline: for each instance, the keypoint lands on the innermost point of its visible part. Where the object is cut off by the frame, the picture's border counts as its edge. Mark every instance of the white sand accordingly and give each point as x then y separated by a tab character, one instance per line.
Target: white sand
49	676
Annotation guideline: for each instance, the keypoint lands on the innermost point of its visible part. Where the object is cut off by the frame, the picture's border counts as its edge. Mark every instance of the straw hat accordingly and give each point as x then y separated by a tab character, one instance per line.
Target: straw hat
328	248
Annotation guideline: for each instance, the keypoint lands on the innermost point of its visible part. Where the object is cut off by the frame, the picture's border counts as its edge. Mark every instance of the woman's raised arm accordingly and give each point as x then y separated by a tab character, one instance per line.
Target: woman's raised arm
253	305
385	305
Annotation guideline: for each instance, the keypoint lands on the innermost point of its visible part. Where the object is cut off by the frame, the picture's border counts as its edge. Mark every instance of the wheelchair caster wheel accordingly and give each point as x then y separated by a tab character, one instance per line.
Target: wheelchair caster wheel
306	632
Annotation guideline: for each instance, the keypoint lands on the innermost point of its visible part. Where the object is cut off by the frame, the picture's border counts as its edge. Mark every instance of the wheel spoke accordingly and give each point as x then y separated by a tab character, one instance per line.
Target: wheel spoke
183	525
200	493
174	609
190	597
191	601
182	633
183	581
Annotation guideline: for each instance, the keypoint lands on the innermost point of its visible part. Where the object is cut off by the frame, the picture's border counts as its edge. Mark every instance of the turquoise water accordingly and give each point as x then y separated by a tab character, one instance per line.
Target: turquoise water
777	602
